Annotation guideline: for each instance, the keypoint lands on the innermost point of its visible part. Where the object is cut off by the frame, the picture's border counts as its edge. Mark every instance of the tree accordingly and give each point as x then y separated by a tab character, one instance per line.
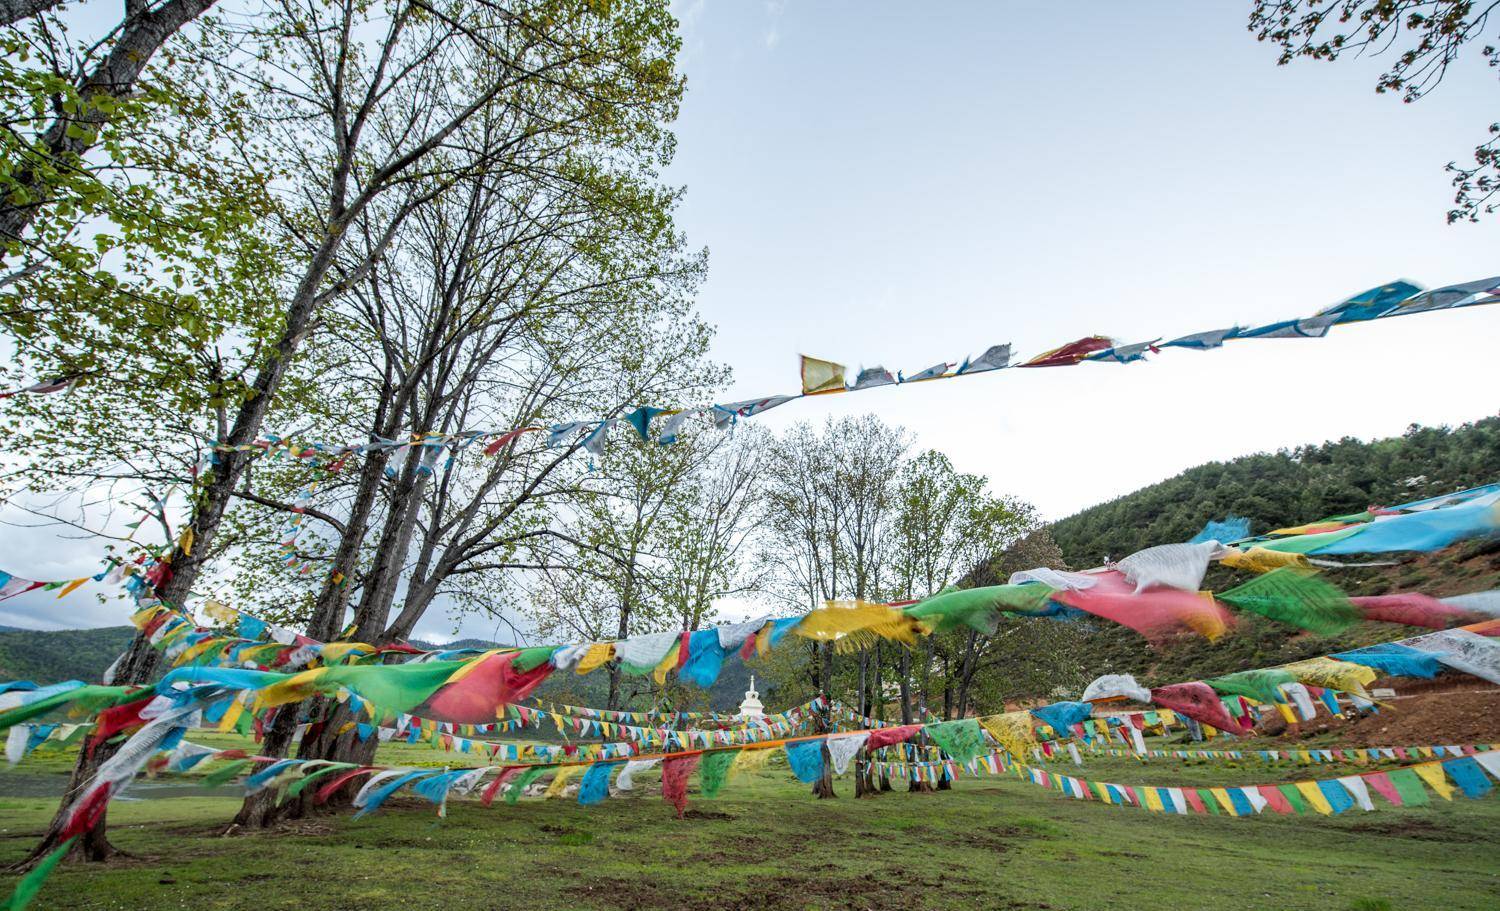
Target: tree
945	524
828	495
1025	657
1425	37
364	102
655	539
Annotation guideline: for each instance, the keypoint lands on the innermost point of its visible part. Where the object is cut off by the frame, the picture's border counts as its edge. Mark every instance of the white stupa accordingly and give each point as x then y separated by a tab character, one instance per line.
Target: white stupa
750	706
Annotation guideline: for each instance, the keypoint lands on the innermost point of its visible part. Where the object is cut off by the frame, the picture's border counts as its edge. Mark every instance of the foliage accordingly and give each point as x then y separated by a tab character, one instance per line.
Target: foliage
1425	37
1290	486
53	656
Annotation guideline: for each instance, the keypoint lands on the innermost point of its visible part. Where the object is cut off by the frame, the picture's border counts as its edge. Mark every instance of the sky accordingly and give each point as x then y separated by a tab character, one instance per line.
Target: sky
882	183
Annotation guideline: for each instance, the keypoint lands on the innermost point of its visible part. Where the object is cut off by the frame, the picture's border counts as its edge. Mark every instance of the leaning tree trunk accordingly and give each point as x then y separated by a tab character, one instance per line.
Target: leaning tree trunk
260	809
193	549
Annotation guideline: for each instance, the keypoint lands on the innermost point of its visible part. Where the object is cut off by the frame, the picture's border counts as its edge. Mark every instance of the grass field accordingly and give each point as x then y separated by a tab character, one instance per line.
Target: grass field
991	842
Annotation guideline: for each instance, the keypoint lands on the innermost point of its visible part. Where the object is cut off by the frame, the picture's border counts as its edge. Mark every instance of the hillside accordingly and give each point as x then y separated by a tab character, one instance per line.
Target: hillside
1289	486
48	657
1274	490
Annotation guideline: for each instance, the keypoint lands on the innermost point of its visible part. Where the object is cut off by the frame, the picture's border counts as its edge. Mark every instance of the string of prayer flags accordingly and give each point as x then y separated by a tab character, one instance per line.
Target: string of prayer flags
45	387
819	376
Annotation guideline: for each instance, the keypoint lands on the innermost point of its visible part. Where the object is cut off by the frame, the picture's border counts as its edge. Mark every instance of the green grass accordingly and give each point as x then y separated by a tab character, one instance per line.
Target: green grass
765	843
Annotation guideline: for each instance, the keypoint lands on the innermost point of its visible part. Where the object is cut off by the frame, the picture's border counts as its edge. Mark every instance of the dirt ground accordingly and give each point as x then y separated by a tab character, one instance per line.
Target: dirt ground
1418	716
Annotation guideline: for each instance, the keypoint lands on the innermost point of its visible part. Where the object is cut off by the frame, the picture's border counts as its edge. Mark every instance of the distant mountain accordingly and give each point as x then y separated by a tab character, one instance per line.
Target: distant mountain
455	644
53	655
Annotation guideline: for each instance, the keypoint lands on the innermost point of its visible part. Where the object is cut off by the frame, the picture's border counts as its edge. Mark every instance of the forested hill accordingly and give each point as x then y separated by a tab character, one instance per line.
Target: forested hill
1287	487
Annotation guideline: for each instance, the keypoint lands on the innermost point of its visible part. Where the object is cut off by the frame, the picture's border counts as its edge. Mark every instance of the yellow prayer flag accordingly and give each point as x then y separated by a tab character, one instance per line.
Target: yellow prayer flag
821	376
1012	730
855	624
750	760
1432	773
597	655
666	664
1153	799
1314	795
231	716
293	689
1331	673
1262	560
336	652
71	586
216	610
195	650
1222	796
560	780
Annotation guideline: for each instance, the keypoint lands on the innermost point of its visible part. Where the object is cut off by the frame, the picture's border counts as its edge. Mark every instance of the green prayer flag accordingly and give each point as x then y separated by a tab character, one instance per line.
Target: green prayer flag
297	786
514	789
31	883
962	739
1293	797
1294	597
1303	544
713	769
1209	801
1260	685
225	772
979	608
532	658
392	687
1409	786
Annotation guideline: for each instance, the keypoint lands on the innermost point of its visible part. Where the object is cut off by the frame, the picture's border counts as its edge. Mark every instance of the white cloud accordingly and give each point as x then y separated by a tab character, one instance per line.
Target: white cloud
774	10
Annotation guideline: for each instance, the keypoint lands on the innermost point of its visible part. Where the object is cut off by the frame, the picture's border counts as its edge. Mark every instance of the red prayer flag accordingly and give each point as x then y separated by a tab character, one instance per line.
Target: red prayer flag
1382	783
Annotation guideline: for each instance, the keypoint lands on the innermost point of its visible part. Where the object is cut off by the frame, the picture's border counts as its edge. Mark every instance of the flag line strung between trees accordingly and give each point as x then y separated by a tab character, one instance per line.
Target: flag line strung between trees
189	697
821	377
1300	756
161	715
1154	592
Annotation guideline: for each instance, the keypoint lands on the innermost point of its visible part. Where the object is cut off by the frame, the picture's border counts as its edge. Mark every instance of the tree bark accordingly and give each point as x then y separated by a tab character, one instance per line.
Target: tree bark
259	810
861	787
823	787
13	11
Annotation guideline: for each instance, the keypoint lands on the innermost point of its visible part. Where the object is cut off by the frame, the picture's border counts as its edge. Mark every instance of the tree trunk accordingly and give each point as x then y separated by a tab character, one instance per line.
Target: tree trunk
13	11
823	787
137	665
259	810
879	713
905	683
209	506
861	788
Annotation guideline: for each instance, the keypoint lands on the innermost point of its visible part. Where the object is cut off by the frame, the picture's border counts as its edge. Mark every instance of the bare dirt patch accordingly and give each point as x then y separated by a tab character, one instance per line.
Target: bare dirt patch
1421	719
